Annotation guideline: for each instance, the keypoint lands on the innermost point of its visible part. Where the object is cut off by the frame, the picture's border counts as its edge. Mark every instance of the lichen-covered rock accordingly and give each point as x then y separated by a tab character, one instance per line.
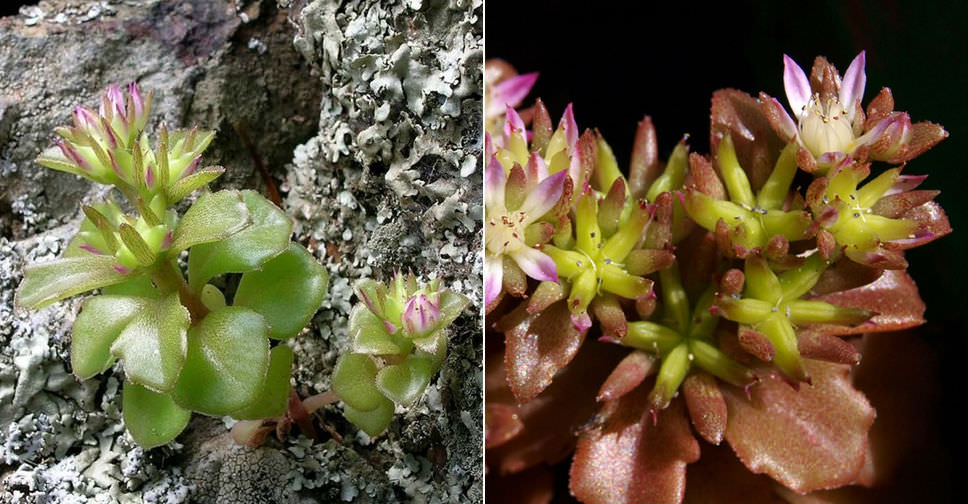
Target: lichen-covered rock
364	116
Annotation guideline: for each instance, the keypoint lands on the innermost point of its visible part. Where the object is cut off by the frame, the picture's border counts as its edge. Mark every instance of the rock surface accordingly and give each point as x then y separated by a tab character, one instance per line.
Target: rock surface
365	118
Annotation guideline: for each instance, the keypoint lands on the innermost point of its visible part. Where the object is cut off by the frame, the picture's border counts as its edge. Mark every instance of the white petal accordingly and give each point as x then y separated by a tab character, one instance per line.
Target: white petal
544	197
855	79
796	85
494	181
536	264
493	276
510	92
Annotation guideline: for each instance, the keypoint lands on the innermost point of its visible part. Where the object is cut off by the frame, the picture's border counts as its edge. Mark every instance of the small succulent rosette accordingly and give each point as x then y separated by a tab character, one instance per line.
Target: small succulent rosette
109	147
399	341
182	346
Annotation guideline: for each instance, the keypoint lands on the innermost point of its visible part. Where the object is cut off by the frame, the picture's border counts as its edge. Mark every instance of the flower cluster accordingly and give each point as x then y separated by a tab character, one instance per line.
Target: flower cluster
183	346
721	292
399	341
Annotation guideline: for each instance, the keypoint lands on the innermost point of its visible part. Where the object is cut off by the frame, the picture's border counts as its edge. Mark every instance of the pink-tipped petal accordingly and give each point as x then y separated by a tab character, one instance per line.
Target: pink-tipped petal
136	99
537	169
489	149
855	79
493	276
192	167
84	118
544	197
71	153
905	183
494	182
571	127
116	98
513	123
510	93
536	264
796	85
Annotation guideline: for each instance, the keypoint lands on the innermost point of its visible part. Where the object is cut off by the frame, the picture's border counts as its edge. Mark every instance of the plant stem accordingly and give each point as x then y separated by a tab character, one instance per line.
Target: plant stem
168	279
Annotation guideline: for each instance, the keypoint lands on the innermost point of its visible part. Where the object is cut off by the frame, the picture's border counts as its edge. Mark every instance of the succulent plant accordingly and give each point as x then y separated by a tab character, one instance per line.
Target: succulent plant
184	347
399	341
723	290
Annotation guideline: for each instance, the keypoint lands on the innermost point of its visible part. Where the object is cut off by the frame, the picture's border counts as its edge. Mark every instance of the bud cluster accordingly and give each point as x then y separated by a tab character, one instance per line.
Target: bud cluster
399	341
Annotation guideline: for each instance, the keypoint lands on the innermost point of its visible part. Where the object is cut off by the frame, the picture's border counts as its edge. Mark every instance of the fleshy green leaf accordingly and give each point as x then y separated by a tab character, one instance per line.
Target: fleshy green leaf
369	334
227	361
213	216
153	419
272	399
372	422
98	325
452	305
153	345
353	382
246	250
48	282
287	291
404	383
434	345
139	286
185	185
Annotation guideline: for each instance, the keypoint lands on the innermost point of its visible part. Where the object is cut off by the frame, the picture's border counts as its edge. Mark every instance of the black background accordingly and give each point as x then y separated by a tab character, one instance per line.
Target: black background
618	62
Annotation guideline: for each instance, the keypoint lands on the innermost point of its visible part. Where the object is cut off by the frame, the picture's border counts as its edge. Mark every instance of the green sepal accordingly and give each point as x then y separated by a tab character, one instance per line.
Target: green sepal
372	422
136	245
213	217
369	334
97	326
675	366
452	305
185	185
49	282
353	381
405	382
287	291
273	397
652	337
151	418
226	363
153	344
246	250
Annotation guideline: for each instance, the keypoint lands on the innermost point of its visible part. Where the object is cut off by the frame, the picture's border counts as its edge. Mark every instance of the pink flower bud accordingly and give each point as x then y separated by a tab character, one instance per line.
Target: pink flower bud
420	314
71	153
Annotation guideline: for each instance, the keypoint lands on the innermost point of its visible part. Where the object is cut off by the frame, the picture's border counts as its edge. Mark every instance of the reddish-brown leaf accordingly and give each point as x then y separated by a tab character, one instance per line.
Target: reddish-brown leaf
807	440
630	460
757	146
551	419
844	275
537	347
720	478
893	297
501	423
